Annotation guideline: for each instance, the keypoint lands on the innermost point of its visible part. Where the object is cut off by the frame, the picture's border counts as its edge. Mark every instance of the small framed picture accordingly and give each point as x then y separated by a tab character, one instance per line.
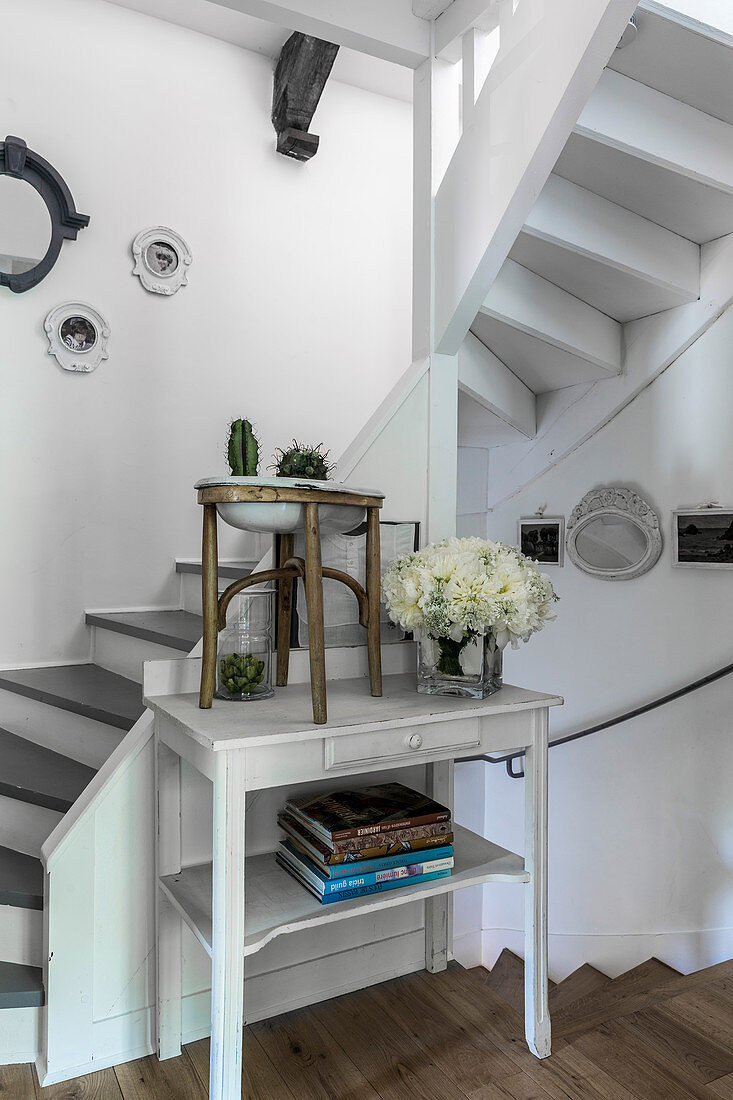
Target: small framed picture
703	538
77	336
542	538
162	259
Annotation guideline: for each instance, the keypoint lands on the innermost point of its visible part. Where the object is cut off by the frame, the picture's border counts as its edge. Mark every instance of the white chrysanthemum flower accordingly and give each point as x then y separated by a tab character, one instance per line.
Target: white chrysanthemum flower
468	587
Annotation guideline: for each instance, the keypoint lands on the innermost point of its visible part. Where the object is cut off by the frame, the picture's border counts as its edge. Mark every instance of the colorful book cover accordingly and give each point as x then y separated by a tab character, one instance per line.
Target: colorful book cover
348	895
318	851
366	811
326	885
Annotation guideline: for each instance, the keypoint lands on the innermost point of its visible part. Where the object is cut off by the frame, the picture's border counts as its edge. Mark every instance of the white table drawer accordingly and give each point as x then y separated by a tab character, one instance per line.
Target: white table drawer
400	744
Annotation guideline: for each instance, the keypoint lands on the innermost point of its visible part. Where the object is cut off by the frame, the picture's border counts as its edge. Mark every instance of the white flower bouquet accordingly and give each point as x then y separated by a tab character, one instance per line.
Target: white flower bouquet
469	598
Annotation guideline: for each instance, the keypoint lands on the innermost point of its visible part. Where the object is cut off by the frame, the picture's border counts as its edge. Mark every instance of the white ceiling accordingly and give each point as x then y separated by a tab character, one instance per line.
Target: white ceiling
350	67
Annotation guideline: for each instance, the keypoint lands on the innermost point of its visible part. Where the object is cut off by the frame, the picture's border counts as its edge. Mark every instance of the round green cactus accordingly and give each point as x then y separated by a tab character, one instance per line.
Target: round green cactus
299	460
241	673
243	450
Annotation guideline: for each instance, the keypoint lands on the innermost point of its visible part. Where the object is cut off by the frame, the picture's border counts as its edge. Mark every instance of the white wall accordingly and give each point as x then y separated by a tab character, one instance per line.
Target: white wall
641	819
297	311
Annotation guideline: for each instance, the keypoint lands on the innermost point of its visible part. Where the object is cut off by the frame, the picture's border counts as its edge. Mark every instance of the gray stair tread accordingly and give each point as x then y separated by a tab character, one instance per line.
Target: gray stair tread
233	570
84	689
21	880
175	629
20	986
32	773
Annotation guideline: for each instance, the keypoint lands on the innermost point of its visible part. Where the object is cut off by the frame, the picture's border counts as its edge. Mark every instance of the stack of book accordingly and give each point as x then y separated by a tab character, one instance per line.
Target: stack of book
346	844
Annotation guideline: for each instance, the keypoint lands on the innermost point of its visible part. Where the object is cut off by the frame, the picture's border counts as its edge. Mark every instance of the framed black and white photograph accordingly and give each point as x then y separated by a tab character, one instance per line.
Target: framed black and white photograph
77	336
162	259
703	538
542	538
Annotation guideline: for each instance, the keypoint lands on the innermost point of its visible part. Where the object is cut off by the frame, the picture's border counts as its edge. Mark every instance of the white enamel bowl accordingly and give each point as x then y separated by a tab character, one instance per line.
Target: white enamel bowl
284	517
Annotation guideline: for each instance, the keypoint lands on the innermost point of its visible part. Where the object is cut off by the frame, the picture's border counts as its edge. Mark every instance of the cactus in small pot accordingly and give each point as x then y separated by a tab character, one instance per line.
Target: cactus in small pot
298	460
243	450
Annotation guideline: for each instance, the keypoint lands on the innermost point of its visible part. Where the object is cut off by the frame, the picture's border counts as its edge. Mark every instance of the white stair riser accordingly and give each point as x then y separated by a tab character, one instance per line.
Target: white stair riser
20	1035
191	591
21	936
71	734
124	654
25	827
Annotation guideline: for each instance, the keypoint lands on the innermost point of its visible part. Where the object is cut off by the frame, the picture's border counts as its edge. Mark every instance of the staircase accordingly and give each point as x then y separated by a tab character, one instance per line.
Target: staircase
642	186
58	725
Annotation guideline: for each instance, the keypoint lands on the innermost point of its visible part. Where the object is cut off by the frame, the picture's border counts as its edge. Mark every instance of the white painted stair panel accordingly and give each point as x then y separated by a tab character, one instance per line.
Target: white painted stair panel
21	936
73	735
20	1035
547	337
615	260
653	155
24	826
489	383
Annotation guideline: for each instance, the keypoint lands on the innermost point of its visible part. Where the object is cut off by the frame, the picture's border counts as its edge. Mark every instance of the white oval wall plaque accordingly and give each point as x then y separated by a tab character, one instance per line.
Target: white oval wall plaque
77	336
162	259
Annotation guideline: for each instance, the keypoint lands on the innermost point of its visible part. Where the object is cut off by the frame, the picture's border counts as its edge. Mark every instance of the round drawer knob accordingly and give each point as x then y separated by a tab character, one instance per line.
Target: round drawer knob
414	741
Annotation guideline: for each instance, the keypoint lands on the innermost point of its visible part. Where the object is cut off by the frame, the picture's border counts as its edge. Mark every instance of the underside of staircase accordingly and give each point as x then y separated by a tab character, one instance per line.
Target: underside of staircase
617	235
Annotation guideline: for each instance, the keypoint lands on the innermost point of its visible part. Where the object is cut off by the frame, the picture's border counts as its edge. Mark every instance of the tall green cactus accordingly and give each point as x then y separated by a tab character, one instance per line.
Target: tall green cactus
243	450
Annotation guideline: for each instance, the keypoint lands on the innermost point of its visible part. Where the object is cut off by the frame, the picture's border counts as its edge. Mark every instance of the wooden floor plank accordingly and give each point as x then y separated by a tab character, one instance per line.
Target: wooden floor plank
396	1066
463	1052
17	1082
560	1076
506	978
688	1049
581	983
518	1087
259	1077
723	1087
310	1059
93	1086
704	1010
631	992
173	1079
636	1066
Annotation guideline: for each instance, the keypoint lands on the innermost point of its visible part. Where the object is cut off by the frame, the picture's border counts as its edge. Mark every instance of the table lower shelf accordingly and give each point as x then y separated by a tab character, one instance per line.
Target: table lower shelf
275	903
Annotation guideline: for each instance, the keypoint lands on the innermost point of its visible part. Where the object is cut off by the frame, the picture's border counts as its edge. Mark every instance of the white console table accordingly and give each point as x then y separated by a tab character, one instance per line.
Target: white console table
234	906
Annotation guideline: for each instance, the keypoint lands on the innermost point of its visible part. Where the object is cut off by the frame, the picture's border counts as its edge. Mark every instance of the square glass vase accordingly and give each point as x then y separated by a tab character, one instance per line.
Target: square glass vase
471	668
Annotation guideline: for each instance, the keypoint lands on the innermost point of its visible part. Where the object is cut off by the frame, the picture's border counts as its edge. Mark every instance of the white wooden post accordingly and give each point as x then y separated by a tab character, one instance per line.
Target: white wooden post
167	920
227	986
536	1011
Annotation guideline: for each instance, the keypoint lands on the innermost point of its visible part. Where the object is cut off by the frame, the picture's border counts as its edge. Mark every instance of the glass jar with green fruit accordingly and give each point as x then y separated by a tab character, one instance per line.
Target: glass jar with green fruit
244	658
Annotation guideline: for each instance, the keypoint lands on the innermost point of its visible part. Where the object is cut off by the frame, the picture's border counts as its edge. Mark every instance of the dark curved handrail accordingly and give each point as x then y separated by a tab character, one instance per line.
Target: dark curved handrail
636	713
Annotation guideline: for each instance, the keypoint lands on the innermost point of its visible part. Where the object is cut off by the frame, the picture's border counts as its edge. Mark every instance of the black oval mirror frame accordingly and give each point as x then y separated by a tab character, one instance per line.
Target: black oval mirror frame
17	160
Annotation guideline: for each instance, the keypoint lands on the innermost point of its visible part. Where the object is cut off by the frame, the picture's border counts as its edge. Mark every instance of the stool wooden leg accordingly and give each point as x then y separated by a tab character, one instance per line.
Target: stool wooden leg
314	599
374	592
284	612
209	599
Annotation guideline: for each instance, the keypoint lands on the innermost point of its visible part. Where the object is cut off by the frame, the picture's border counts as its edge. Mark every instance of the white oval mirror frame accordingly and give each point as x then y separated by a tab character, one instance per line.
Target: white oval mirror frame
634	535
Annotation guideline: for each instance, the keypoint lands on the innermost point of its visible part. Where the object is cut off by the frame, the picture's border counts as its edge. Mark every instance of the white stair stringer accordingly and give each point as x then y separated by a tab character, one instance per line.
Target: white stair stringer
571	416
647	152
547	337
612	259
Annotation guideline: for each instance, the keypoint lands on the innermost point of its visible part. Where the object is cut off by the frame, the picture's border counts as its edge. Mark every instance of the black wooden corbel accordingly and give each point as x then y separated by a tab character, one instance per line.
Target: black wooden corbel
302	70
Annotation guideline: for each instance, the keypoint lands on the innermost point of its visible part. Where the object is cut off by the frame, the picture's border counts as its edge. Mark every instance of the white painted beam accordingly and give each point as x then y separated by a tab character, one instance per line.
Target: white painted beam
661	158
382	28
547	337
491	384
611	258
549	59
458	18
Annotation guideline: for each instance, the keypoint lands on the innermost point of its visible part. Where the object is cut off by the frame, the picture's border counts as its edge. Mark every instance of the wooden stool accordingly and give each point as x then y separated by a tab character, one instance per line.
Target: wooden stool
310	569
